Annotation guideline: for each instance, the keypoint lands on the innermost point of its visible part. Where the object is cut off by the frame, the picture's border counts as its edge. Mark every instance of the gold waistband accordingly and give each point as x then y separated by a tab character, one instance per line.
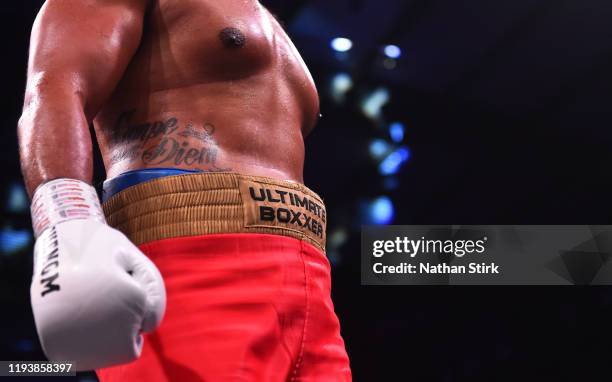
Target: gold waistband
213	203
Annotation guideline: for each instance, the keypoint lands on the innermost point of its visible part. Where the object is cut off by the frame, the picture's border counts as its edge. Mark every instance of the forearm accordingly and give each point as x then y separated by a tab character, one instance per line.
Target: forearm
54	137
78	53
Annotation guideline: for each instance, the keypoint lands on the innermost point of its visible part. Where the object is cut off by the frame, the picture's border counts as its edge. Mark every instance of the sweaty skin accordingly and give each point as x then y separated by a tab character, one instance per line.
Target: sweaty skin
194	84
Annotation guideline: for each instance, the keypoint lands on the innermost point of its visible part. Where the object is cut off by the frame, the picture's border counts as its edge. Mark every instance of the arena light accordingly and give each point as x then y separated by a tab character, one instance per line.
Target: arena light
372	105
397	131
341	44
341	84
394	162
336	239
393	51
17	200
379	148
12	241
381	211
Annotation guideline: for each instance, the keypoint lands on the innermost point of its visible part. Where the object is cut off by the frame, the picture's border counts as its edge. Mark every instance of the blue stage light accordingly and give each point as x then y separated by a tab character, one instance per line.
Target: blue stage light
336	239
373	103
381	211
379	148
393	51
341	44
17	200
396	131
12	241
341	84
394	161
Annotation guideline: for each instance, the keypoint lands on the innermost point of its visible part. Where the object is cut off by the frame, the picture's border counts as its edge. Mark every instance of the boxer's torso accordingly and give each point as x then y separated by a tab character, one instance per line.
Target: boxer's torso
214	86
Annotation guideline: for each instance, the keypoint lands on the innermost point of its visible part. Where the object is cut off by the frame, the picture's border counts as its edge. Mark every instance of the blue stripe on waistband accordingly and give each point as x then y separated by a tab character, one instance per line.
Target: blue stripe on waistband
131	178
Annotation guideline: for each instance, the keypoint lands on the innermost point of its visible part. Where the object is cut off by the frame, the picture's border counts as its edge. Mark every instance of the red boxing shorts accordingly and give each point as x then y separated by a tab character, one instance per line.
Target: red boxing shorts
247	280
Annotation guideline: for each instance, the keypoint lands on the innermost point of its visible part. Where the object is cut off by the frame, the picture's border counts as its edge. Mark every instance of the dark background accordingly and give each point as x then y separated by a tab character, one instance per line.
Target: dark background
505	110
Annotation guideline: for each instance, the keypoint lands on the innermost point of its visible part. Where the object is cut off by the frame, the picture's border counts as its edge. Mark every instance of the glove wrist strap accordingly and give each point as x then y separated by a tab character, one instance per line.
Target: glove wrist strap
62	200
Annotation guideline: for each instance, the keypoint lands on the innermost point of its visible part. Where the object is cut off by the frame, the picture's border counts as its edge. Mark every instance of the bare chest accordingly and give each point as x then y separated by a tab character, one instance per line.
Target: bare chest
209	40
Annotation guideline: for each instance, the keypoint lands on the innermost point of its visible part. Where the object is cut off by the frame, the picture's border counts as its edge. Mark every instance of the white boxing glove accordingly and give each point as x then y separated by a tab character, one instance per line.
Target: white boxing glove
93	292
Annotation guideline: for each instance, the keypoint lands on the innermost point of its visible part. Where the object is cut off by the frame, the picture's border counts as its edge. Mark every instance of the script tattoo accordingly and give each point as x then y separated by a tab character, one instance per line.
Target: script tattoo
165	142
124	132
204	135
172	151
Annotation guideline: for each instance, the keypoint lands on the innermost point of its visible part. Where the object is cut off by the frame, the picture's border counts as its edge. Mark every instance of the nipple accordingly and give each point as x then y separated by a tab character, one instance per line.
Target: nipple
232	38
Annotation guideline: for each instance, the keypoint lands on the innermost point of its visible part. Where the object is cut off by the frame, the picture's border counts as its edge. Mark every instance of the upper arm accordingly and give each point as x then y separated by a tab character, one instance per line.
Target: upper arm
83	46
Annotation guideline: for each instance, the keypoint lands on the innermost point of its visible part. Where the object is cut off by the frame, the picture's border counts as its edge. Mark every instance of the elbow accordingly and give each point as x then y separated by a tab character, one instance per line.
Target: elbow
28	115
52	88
50	97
